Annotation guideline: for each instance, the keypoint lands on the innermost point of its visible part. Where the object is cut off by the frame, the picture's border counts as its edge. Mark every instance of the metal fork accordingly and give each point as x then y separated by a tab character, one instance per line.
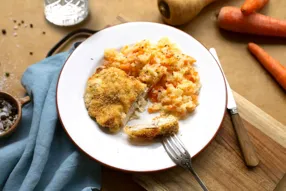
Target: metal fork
179	154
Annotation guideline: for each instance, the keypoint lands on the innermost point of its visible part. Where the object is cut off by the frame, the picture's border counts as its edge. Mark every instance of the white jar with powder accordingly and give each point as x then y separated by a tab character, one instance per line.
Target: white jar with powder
66	12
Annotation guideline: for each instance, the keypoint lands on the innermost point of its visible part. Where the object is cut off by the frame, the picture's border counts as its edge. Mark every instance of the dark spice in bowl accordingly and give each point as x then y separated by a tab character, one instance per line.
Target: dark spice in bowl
8	115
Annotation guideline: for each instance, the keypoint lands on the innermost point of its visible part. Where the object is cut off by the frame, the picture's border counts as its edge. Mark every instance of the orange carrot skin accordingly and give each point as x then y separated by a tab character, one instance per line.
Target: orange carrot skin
277	70
251	6
232	19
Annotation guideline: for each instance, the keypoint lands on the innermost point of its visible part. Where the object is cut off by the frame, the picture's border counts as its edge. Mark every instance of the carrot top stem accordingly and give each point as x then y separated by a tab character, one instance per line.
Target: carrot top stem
251	6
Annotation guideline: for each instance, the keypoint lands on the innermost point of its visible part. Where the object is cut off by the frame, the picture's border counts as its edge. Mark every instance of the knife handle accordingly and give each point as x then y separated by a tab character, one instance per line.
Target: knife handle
246	146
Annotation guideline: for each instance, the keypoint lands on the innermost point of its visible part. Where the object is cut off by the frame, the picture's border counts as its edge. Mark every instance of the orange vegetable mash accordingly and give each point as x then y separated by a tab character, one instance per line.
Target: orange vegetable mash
172	79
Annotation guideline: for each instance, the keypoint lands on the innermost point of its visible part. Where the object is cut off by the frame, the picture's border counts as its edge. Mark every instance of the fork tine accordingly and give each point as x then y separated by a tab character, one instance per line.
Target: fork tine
182	145
177	144
169	150
177	138
174	147
179	154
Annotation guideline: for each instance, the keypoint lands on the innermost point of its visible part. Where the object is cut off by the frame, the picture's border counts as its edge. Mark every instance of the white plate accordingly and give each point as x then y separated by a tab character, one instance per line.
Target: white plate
116	151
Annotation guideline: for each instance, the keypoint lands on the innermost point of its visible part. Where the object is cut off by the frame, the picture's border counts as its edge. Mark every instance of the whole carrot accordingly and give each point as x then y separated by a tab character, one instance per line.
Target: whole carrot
277	70
251	6
231	18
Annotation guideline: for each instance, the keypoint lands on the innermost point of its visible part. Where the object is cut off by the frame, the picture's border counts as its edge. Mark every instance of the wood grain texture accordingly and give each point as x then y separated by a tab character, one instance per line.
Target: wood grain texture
221	165
261	120
113	180
246	145
281	186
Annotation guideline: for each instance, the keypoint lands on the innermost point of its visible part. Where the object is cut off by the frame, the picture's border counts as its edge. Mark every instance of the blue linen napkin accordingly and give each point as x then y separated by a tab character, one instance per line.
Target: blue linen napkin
39	155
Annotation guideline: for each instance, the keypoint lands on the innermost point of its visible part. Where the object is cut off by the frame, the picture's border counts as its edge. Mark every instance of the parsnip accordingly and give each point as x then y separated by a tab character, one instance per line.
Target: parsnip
178	12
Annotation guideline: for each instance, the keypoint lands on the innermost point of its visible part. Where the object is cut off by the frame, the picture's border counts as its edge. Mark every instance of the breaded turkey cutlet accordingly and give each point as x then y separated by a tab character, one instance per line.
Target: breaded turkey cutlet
161	126
111	97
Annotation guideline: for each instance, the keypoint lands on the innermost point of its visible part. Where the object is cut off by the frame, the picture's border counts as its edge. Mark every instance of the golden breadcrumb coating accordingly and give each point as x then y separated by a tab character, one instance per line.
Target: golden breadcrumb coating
161	126
110	94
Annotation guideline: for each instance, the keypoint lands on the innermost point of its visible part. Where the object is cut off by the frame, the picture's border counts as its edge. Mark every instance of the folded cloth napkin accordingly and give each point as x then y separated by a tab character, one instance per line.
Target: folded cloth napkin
39	155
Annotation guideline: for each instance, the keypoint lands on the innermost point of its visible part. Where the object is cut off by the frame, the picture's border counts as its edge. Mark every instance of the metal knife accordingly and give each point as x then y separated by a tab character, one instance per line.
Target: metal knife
246	145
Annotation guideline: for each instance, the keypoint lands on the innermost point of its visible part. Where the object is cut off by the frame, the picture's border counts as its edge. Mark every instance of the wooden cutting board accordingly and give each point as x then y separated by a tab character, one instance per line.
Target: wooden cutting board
221	165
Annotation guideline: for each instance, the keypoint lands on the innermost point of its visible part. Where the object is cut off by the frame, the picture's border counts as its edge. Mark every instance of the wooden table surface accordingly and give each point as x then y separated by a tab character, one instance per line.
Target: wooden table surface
245	75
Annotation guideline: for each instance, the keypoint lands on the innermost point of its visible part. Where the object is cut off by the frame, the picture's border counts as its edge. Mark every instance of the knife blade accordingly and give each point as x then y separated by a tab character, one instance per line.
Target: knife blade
245	143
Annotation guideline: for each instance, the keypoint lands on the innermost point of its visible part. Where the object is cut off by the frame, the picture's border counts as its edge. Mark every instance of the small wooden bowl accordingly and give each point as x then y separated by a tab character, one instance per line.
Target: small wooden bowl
18	103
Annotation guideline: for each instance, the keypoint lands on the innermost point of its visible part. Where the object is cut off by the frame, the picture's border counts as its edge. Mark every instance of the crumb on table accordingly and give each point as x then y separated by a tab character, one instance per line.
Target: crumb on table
4	32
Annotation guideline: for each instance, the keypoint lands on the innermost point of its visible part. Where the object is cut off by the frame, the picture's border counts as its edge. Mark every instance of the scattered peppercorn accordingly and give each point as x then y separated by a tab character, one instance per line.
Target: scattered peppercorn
7	74
3	31
22	22
31	26
14	21
31	53
44	32
19	24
